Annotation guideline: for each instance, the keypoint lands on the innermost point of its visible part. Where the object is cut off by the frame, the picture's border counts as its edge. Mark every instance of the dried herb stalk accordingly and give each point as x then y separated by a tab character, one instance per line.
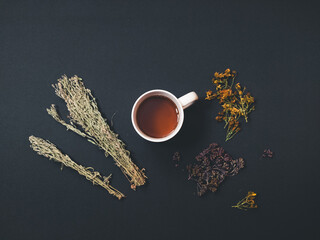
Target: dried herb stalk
247	202
49	150
84	113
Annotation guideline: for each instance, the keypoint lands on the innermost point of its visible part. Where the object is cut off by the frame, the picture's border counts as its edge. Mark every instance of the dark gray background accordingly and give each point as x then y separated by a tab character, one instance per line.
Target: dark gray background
124	48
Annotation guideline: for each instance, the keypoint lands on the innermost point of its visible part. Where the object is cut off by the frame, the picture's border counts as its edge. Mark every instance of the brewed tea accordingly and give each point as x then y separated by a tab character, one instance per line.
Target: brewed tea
157	116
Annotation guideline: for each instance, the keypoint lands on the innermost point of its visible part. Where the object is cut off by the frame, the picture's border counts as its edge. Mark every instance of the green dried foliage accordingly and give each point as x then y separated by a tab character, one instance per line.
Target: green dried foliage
49	150
84	113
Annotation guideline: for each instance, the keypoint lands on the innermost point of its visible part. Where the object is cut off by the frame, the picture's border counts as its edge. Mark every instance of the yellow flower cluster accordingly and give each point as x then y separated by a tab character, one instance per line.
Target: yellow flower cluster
235	103
247	202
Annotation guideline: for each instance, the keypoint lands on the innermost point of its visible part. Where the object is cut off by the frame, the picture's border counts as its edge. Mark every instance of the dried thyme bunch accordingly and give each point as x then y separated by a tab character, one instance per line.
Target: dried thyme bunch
84	112
49	150
212	167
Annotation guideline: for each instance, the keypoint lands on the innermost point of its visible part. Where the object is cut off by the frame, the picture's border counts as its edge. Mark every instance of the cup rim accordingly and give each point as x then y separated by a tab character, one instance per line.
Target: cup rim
176	102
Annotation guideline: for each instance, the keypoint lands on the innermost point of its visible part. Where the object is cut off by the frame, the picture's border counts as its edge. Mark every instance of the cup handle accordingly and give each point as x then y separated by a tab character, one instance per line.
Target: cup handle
188	99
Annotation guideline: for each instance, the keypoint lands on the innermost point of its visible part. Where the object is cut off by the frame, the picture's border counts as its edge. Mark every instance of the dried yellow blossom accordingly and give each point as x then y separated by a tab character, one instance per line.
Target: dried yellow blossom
247	202
234	103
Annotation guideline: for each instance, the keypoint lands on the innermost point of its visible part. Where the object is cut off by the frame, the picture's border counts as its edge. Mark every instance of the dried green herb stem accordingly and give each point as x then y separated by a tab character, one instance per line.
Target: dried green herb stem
49	150
84	112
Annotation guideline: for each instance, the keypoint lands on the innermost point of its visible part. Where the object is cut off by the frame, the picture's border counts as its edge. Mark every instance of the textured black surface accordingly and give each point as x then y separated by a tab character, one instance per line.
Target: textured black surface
124	48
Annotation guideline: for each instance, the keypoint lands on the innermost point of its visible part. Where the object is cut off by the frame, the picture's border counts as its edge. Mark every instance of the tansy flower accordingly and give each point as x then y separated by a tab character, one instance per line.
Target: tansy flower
234	111
210	95
219	118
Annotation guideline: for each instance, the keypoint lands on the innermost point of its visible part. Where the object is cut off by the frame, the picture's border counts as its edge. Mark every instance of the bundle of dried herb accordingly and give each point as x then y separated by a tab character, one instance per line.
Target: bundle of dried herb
247	202
267	153
235	104
49	150
212	167
84	113
176	159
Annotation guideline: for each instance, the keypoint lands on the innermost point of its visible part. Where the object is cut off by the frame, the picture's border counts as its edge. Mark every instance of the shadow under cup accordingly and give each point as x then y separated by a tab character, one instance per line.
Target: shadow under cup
157	115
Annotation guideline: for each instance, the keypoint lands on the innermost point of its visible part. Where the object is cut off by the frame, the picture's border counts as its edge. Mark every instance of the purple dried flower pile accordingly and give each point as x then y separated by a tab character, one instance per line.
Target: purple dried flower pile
212	167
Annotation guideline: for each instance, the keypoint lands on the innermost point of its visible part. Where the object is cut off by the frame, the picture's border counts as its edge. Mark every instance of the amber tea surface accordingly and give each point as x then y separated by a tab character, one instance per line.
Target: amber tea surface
157	116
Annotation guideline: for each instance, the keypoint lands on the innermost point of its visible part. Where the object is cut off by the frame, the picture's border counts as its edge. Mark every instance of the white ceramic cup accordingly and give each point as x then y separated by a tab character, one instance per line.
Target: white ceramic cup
181	104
